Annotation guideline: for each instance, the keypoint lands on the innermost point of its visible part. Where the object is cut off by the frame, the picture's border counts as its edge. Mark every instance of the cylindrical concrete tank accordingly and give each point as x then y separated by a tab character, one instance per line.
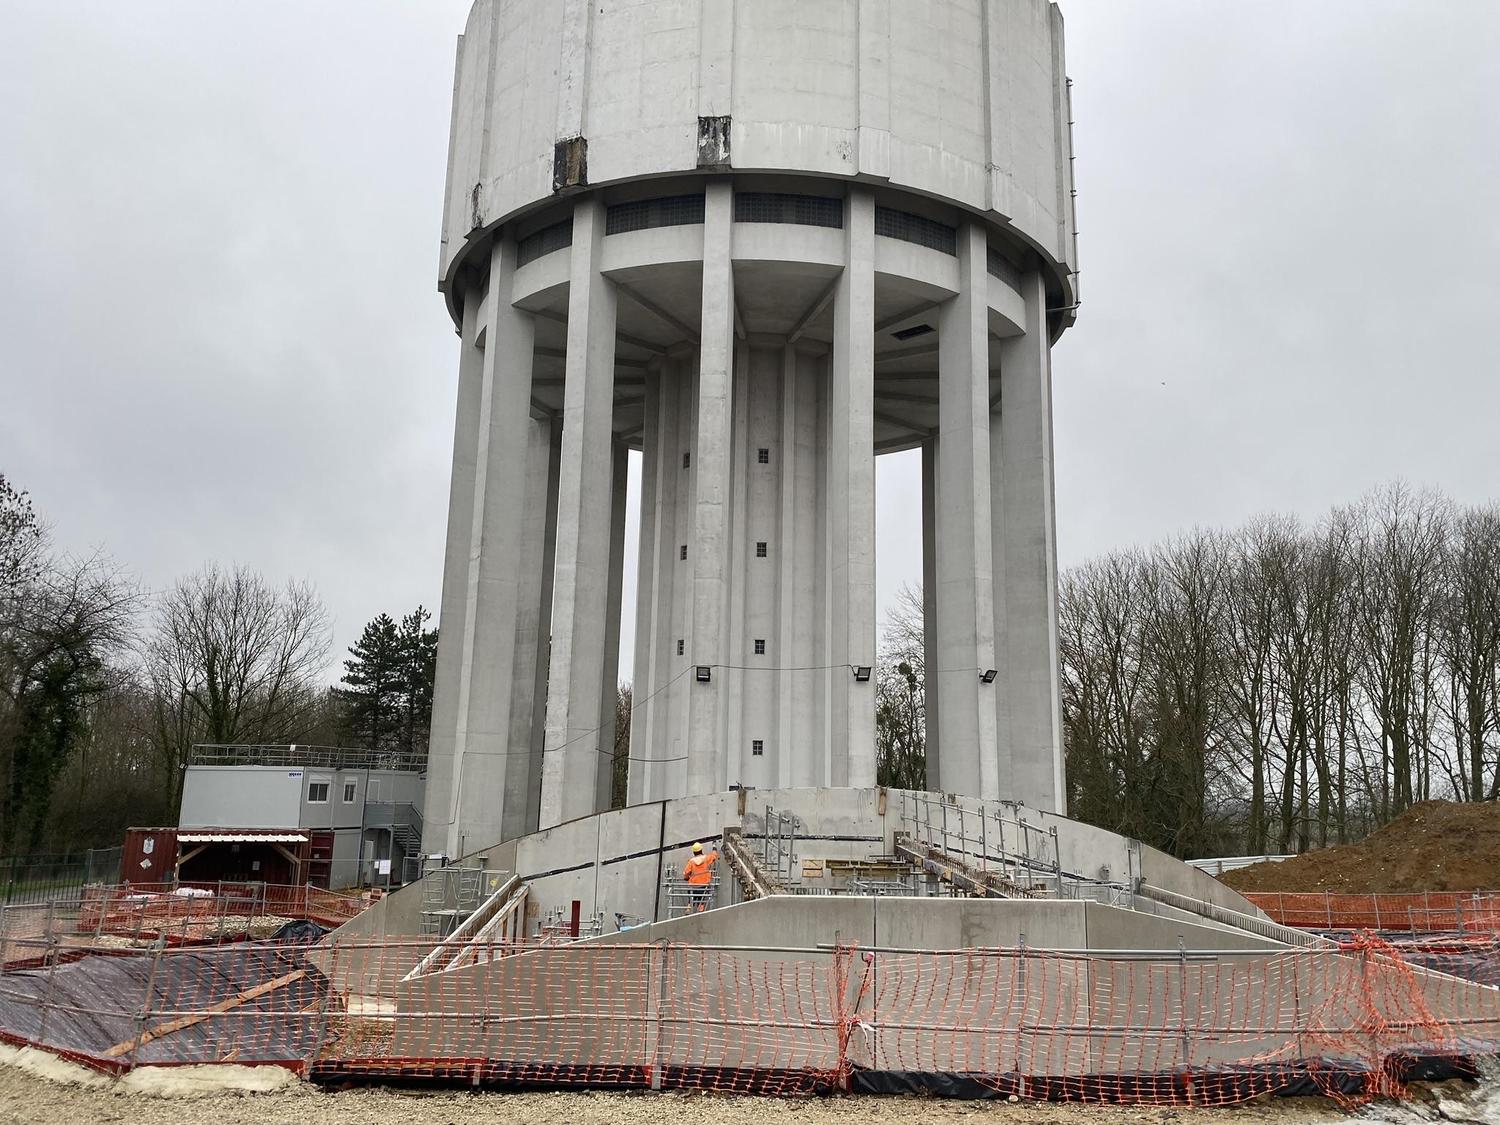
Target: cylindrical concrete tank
762	242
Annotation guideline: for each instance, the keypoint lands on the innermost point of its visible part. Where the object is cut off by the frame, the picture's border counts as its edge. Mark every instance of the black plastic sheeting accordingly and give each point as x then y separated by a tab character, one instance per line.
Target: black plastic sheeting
85	1007
1208	1086
302	932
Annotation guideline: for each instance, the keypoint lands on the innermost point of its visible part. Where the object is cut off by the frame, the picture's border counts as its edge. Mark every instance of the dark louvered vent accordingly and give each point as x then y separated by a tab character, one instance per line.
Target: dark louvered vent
1000	266
914	228
775	207
669	211
559	236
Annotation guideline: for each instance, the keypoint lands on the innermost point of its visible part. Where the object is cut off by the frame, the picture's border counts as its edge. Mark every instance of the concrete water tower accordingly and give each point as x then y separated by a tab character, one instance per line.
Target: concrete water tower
763	242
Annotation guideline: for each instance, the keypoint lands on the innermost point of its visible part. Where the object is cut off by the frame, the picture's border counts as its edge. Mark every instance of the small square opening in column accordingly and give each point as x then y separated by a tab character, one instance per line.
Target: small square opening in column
760	549
758	747
760	646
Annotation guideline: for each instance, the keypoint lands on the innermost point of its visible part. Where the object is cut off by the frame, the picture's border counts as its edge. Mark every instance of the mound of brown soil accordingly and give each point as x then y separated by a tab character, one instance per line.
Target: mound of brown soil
1432	846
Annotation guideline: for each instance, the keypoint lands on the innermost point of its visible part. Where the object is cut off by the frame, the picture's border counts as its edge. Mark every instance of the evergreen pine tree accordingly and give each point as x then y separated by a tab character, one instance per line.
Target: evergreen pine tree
374	691
417	647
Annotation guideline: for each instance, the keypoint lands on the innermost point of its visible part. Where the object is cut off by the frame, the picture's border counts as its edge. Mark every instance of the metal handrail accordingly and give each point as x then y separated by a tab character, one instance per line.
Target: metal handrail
296	754
390	814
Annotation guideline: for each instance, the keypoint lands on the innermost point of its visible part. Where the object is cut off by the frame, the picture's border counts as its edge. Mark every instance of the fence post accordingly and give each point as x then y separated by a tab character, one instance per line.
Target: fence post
842	1019
661	962
1021	982
1182	996
321	1031
51	957
145	1009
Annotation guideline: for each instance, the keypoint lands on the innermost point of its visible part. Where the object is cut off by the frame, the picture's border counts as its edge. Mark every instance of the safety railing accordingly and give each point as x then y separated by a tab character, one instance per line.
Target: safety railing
296	754
135	915
999	850
1459	912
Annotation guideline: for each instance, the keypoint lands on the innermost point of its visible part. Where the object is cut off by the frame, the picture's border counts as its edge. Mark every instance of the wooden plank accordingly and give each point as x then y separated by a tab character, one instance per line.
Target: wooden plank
262	989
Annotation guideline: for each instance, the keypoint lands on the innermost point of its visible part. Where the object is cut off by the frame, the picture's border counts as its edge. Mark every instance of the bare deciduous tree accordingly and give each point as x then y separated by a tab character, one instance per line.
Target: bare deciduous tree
900	695
233	659
1286	687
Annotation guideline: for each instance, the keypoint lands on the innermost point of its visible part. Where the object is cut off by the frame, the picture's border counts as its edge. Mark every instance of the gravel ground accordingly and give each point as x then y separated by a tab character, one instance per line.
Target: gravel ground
28	1099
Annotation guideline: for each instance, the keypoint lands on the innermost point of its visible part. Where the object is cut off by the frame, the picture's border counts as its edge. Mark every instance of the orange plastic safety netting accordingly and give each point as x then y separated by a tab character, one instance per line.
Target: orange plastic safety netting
1146	1027
133	916
1427	912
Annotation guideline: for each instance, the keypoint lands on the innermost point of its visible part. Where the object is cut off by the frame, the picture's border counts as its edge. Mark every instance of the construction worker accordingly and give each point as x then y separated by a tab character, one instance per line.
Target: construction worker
698	873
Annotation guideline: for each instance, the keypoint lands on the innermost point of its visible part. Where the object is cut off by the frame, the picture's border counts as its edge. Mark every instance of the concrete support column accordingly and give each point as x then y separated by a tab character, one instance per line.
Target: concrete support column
493	604
708	554
580	594
1028	704
648	632
787	607
528	720
609	685
851	493
440	809
738	766
932	739
965	590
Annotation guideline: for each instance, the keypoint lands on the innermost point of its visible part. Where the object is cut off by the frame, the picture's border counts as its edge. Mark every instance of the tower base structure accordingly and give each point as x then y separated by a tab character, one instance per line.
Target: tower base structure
870	940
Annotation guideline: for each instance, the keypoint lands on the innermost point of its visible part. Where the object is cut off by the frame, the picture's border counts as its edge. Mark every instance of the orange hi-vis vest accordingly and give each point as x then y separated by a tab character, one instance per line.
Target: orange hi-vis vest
699	870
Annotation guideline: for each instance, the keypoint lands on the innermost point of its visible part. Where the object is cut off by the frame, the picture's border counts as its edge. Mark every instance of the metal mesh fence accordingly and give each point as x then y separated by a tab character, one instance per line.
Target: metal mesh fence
1155	1028
1425	912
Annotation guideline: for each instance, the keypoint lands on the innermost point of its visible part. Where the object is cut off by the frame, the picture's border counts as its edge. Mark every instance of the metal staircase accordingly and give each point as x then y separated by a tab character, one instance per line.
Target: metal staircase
408	838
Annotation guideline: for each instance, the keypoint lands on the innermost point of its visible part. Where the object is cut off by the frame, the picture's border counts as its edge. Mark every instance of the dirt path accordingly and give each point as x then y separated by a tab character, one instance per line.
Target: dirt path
28	1099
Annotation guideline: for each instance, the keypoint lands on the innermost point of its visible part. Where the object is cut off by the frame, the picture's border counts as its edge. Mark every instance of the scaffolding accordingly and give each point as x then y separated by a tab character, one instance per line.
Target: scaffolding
556	926
778	850
682	897
450	894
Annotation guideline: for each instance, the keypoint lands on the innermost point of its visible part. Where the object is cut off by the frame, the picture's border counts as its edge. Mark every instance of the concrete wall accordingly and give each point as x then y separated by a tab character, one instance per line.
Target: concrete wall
798	922
955	99
613	862
984	1009
241	797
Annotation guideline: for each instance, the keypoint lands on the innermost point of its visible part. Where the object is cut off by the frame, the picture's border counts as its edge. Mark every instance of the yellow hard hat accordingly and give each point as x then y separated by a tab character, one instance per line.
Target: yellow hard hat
697	849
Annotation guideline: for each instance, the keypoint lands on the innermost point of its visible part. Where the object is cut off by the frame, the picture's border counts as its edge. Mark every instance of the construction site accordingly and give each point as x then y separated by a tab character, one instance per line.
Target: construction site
849	942
670	244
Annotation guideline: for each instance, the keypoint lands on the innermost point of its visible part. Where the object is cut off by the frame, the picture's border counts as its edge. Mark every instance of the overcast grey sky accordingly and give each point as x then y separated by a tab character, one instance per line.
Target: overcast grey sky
220	336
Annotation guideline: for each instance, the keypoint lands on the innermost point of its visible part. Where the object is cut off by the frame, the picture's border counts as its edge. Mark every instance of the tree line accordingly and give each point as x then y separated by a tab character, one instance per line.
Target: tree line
105	688
1270	688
